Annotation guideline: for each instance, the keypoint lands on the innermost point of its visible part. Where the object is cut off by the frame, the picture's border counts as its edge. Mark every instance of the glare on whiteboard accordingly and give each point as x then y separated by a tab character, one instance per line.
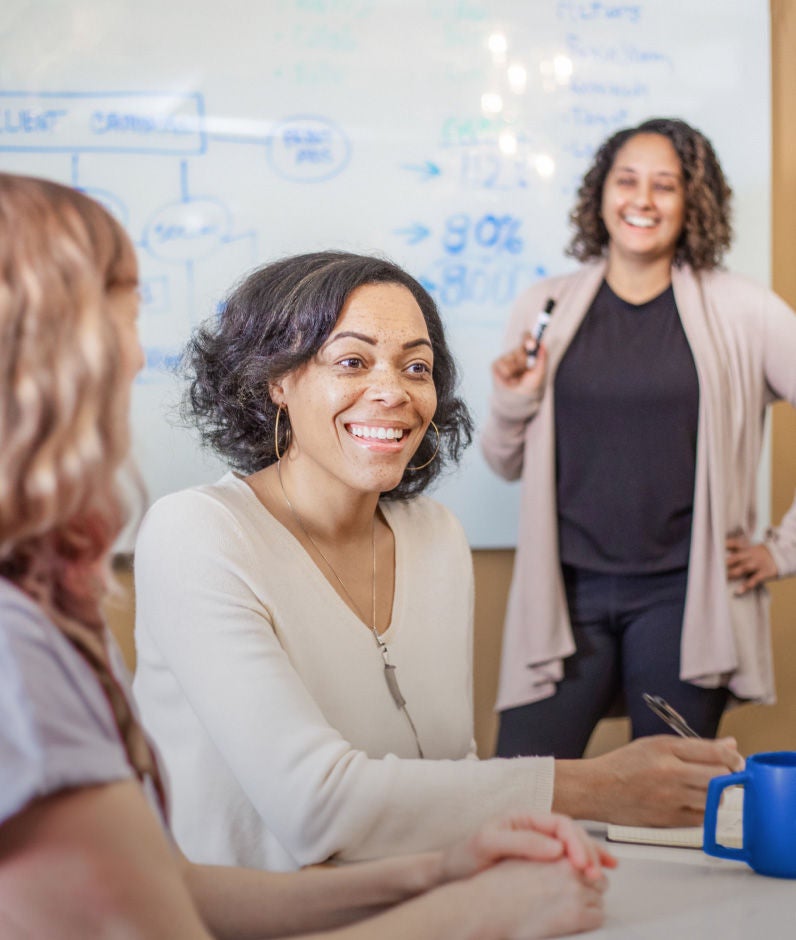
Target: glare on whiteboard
562	68
491	103
557	70
544	165
497	43
507	142
518	77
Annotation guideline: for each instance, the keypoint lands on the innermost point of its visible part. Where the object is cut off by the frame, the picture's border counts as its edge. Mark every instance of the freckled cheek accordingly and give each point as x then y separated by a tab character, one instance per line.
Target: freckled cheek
332	402
430	405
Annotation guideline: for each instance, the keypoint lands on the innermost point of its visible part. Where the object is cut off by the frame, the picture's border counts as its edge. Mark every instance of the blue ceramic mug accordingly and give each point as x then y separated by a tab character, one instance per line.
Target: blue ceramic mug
769	814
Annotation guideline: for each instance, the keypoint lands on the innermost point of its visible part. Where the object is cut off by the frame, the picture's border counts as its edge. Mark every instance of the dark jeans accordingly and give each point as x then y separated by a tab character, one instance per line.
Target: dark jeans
627	631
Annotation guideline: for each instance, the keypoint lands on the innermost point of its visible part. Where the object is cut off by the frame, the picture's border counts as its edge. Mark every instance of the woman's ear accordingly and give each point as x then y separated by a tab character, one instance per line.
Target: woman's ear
277	393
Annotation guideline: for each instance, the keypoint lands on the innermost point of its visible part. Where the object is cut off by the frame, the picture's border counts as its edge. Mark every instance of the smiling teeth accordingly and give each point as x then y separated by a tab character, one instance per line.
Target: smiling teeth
639	221
381	434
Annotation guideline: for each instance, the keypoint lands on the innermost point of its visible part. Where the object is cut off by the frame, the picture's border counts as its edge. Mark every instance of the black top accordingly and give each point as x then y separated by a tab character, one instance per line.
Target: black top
626	408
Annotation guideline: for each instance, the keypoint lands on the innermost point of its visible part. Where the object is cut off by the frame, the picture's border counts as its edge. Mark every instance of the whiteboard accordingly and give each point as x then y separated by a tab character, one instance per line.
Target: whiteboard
449	135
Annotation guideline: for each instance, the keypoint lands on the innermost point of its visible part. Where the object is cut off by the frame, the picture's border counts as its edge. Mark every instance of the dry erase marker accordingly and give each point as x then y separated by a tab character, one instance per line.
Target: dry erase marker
538	332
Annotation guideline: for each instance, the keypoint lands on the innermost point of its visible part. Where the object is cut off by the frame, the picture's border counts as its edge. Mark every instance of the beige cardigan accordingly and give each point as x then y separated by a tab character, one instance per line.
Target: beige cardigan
743	338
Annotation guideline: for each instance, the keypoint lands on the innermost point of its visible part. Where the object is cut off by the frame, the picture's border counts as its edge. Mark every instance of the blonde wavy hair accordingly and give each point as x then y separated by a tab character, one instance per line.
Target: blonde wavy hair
63	410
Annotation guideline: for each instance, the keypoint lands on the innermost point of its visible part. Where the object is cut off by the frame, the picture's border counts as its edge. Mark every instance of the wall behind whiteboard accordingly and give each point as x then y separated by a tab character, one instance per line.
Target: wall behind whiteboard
449	135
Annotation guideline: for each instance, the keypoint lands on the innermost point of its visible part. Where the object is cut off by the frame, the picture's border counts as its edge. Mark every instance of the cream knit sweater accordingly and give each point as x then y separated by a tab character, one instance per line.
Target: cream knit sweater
266	697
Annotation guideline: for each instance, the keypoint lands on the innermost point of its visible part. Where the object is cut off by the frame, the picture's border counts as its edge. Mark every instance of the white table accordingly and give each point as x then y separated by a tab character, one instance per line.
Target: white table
660	893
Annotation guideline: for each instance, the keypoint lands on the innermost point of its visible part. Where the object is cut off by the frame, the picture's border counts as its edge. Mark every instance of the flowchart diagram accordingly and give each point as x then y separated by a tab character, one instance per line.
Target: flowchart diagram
184	232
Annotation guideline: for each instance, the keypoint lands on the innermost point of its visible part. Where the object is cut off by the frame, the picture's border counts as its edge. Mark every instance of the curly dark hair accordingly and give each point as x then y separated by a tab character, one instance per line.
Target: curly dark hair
707	229
273	322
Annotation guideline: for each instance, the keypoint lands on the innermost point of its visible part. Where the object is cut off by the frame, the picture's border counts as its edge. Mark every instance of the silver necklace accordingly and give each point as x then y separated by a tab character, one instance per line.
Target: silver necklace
390	670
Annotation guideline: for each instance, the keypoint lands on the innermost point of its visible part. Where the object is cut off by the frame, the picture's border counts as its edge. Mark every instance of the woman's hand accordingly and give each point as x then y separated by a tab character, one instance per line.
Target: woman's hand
511	371
654	781
540	837
748	563
528	900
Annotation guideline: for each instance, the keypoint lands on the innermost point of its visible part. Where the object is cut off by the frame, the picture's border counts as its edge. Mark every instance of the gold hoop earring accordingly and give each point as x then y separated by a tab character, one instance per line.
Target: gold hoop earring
433	457
279	411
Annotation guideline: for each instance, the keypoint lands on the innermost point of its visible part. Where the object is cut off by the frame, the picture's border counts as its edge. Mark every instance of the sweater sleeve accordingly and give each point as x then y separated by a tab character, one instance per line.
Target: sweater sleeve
503	435
779	352
320	797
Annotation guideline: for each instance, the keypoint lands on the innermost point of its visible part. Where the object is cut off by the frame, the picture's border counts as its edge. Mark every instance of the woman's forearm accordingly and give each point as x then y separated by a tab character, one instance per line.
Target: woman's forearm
235	903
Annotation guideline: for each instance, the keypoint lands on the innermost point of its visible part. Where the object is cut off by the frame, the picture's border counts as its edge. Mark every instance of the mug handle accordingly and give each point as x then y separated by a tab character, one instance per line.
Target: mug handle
715	788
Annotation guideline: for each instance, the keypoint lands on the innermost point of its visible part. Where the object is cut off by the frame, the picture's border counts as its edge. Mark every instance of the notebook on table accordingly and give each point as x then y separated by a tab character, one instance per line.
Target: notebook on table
729	828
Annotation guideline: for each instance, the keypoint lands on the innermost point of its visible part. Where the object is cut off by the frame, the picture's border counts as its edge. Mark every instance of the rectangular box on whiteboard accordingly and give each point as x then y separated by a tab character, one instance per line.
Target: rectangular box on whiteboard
90	122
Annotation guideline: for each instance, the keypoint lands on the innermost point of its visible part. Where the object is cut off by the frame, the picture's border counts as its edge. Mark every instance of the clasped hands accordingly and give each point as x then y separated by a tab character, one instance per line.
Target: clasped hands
534	837
537	874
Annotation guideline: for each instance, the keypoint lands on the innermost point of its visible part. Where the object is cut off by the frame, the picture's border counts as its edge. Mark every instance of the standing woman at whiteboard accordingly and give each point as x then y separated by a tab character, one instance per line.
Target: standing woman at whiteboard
304	624
636	435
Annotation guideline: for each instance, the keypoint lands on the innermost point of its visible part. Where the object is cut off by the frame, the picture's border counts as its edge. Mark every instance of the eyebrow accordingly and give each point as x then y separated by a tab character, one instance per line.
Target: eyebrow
350	334
631	169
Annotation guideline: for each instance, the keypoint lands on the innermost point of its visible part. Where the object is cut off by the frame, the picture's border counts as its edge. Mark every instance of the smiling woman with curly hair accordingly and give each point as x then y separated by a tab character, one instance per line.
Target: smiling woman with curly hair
636	428
232	362
706	233
304	624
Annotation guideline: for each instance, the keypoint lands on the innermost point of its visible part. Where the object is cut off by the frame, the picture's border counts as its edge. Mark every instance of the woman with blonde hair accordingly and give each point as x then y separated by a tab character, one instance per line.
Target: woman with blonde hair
84	849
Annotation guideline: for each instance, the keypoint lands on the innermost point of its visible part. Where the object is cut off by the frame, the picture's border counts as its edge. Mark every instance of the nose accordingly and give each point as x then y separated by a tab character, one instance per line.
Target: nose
387	386
642	195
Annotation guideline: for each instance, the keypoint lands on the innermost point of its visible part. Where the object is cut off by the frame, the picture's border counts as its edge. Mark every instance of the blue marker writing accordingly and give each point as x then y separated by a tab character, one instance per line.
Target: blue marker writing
538	332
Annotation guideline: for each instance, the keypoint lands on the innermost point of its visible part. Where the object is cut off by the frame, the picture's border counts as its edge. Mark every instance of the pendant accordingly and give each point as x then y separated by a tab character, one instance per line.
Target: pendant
392	685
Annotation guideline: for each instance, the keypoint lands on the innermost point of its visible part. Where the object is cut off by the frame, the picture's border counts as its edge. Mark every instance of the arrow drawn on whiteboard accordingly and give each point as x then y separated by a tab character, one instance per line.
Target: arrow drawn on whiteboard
427	170
414	233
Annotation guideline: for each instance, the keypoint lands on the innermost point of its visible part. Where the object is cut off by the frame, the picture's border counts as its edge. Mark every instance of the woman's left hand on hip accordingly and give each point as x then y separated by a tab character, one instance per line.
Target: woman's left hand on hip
748	563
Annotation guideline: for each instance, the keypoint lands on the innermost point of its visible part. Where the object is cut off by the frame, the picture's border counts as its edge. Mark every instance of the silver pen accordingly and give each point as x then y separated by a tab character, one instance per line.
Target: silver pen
671	716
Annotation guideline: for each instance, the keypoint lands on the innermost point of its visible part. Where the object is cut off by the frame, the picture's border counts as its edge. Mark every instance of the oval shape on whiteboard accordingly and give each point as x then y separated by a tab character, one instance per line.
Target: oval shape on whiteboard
308	149
187	230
